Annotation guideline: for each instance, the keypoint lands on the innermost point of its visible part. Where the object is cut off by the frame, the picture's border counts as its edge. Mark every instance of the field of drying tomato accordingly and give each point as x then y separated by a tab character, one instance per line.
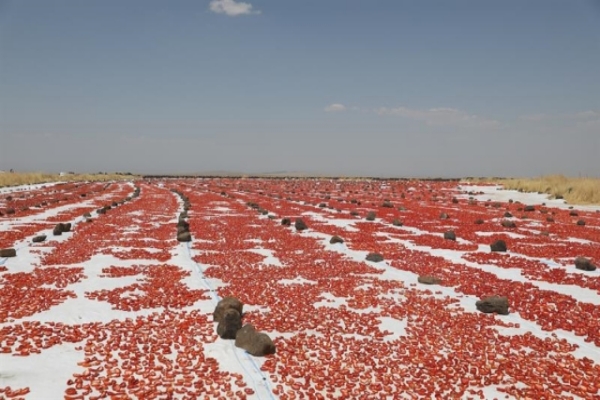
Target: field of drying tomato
115	307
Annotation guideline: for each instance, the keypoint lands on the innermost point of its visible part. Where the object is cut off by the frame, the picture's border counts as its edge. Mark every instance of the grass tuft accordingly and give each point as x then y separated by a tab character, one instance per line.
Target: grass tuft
30	178
573	190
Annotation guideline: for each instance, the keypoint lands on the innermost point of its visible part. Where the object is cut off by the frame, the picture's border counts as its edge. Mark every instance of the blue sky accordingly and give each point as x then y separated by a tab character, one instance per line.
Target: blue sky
391	88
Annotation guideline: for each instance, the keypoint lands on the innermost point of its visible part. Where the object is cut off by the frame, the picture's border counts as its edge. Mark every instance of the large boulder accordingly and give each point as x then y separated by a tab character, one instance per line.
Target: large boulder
429	280
225	304
584	264
286	222
230	324
493	304
371	216
256	343
5	253
300	224
498	245
374	257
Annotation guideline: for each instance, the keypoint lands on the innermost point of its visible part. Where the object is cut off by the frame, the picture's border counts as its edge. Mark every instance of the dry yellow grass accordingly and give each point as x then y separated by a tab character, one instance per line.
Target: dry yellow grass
574	190
28	178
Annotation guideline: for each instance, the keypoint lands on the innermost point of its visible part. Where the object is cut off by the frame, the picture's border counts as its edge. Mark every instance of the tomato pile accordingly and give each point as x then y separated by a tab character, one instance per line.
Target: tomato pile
343	327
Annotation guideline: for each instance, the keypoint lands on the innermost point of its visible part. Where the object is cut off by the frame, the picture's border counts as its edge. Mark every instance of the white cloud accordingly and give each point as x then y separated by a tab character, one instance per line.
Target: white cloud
232	8
586	114
534	117
581	116
335	107
442	116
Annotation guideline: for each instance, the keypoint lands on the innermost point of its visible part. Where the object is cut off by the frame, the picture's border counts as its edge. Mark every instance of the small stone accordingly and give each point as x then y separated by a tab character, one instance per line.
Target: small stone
39	239
429	280
300	224
336	239
584	264
6	253
255	343
450	235
498	245
374	257
493	304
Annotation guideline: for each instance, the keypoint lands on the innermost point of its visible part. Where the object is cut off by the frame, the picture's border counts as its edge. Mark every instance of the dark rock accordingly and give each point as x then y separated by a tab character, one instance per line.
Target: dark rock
498	245
397	222
66	227
549	219
184	237
225	304
300	225
493	304
544	233
559	197
336	239
444	216
449	235
354	213
230	324
255	343
5	253
573	213
322	205
581	222
584	264
507	215
182	229
429	280
286	222
387	204
374	257
39	239
508	224
478	221
529	208
10	211
87	215
454	200
182	223
496	204
371	216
